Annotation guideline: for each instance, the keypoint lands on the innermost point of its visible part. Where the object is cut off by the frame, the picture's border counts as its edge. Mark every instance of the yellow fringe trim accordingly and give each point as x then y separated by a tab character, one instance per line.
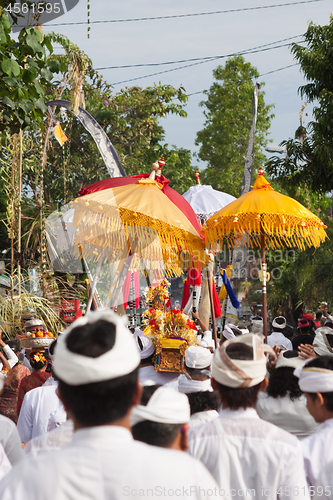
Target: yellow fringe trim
280	230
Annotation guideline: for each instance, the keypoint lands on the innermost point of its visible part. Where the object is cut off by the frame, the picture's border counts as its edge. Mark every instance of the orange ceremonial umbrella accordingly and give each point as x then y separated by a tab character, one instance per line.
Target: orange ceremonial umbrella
137	220
265	218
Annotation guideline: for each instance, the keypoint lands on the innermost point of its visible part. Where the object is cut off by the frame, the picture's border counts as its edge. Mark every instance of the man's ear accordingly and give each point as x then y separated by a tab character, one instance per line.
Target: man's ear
321	399
264	384
137	393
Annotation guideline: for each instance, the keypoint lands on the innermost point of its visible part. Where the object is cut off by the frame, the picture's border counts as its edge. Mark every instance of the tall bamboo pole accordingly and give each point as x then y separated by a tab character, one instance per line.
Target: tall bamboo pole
264	289
19	228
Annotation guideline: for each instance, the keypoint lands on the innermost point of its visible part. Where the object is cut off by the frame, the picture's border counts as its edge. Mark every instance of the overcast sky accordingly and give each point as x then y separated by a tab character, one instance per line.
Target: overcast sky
156	41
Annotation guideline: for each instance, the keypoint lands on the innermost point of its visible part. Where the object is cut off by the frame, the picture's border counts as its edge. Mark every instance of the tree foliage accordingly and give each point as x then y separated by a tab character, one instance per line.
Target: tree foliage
228	113
130	119
26	69
311	161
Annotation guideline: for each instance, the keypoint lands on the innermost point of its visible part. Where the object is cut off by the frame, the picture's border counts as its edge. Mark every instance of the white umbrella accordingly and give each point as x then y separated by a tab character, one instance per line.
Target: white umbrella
206	201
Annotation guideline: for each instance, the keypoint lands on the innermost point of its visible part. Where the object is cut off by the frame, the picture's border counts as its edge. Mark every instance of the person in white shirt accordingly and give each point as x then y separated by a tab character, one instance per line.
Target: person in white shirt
283	403
276	337
37	408
204	401
316	381
248	457
96	362
161	418
197	359
10	440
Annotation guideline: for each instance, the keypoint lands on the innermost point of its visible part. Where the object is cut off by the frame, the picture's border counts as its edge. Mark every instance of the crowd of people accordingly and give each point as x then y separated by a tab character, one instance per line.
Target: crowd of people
91	418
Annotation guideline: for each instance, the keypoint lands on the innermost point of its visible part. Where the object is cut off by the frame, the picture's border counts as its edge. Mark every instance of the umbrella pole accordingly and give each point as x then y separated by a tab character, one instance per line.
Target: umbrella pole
94	283
210	289
264	290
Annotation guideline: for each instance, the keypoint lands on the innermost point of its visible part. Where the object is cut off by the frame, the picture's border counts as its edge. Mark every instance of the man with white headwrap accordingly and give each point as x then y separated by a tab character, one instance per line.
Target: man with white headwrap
322	344
316	381
247	456
147	352
197	358
276	337
96	362
161	418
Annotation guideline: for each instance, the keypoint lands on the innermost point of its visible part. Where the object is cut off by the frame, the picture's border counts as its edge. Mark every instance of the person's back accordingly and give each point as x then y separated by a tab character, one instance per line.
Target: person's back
316	380
305	335
277	337
245	454
283	403
38	405
97	362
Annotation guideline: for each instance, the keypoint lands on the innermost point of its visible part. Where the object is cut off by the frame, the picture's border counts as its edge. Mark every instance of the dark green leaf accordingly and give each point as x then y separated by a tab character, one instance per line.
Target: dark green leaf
8	102
46	74
33	43
29	75
54	65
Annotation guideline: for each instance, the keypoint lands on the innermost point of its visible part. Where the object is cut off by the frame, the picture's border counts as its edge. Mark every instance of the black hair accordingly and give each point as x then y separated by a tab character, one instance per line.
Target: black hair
236	331
280	323
52	347
99	403
13	345
37	365
154	433
319	315
325	362
304	329
282	382
148	360
329	337
202	401
236	398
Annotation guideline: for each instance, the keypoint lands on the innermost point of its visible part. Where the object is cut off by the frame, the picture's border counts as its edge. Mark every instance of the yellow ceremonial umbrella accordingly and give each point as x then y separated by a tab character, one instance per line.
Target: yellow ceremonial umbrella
137	219
265	218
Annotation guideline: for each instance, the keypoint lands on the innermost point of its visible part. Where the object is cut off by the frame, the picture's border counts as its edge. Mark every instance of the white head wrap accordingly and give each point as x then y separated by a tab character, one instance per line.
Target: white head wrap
165	406
198	357
228	332
207	339
279	326
320	343
146	348
189	386
314	379
239	373
257	326
283	362
122	359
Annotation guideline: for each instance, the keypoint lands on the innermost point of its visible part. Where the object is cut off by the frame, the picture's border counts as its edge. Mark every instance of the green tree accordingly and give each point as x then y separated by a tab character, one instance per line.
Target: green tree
228	113
310	161
131	120
26	70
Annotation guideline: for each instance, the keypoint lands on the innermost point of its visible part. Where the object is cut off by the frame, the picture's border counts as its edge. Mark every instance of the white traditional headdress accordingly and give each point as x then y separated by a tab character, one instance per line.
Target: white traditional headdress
165	406
122	359
314	379
239	373
320	343
198	357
